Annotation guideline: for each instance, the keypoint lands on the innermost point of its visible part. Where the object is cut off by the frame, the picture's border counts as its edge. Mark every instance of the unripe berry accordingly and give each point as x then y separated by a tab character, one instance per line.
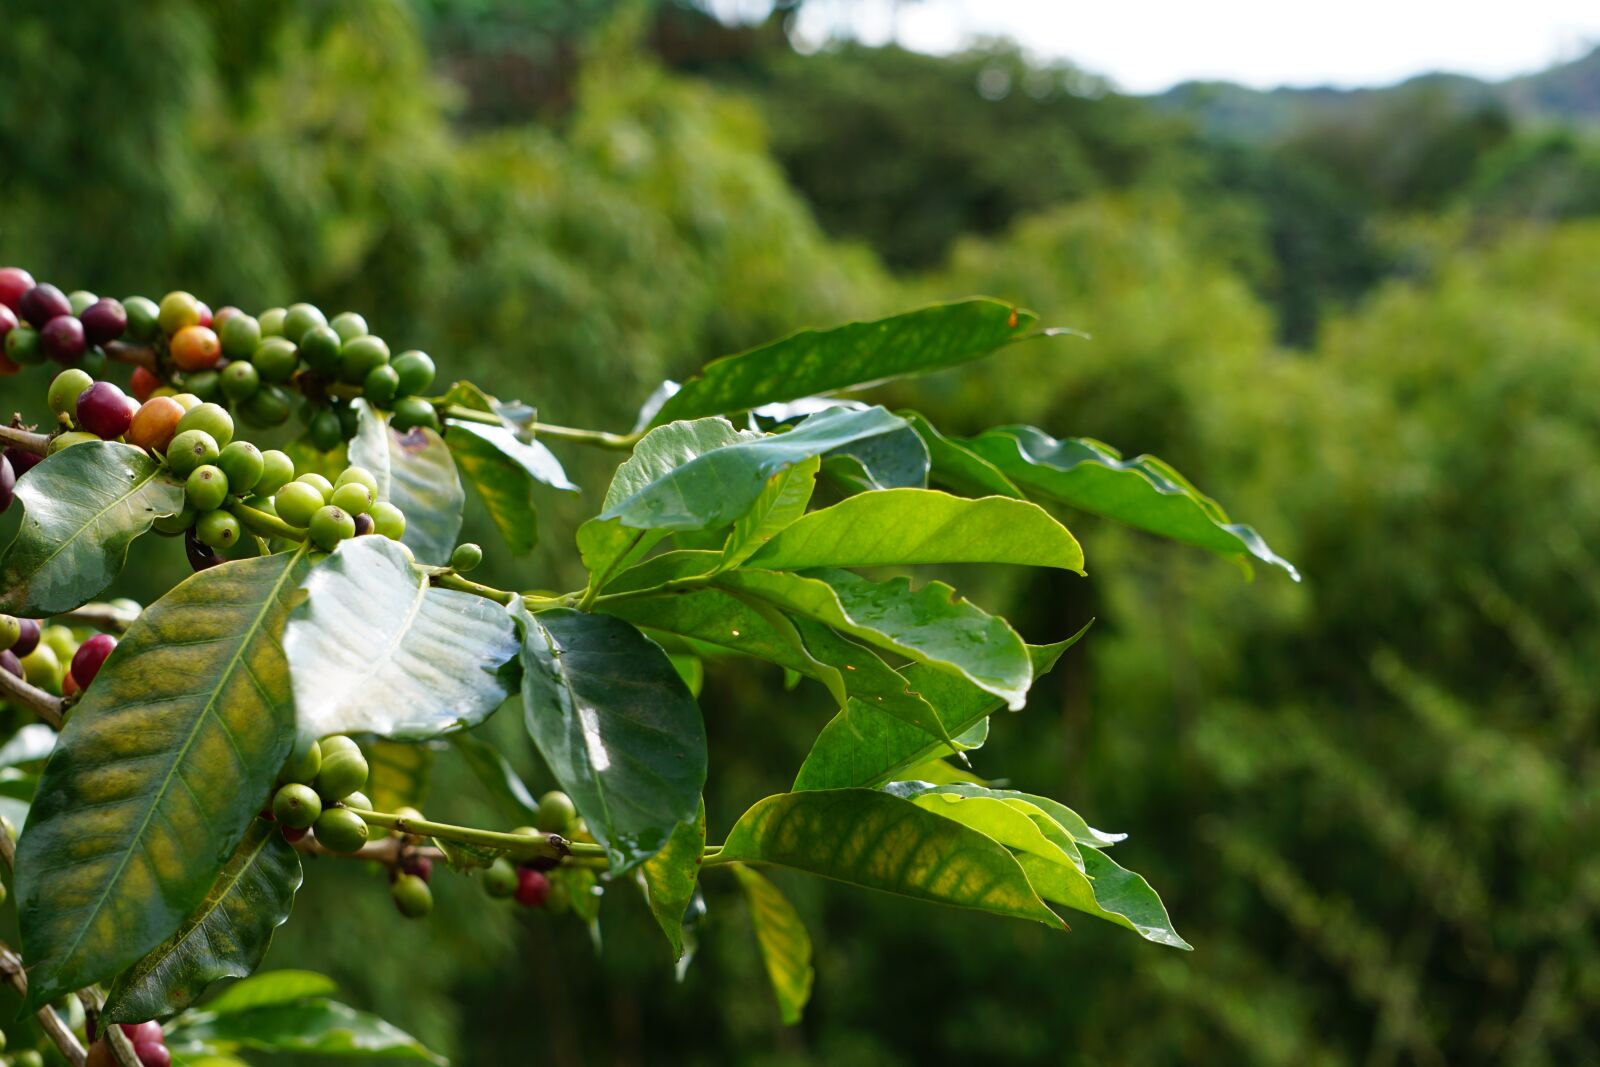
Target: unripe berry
381	386
206	488
22	346
103	410
352	497
42	667
269	406
324	430
296	806
319	347
79	300
172	525
86	661
272	322
65	389
500	880
343	771
190	449
388	520
28	635
300	318
412	412
243	464
14	281
240	335
240	381
329	526
304	761
347	324
297	502
415	372
317	481
466	557
218	529
275	359
360	355
533	888
357	476
187	401
358	800
341	830
412	896
555	813
62	339
277	471
211	418
63	441
178	311
104	321
155	423
144	318
42	303
61	639
10	632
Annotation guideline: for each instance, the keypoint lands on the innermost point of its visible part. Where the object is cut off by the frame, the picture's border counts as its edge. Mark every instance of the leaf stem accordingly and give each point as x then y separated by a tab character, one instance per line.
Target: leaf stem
260	522
27	440
33	698
621	442
452	580
526	846
465	414
677	585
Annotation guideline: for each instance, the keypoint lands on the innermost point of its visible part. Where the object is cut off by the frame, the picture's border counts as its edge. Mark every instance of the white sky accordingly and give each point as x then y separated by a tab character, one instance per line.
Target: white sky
1148	45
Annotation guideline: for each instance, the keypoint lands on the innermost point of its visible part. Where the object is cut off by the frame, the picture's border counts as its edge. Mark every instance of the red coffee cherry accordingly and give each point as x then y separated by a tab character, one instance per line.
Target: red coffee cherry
90	655
533	888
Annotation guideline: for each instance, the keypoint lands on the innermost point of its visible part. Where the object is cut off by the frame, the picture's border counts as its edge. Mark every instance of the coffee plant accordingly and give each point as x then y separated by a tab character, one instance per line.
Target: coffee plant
169	766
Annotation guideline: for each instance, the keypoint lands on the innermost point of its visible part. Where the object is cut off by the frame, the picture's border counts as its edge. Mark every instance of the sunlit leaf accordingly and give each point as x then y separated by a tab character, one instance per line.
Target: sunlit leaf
415	473
785	945
272	987
671	876
311	1026
504	471
782	501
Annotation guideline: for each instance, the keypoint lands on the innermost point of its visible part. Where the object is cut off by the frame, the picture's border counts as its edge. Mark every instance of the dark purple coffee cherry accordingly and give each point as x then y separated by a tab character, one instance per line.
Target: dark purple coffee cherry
63	339
104	411
364	524
42	303
28	640
533	888
8	484
90	655
421	866
200	555
21	461
11	664
104	321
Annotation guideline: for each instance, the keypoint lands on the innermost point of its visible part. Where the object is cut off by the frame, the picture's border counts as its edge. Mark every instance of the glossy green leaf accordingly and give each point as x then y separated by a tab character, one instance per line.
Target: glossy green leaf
158	774
861	746
869	680
929	625
857	354
1106	891
616	725
375	648
782	501
225	937
894	460
504	471
900	526
272	987
397	774
1142	492
494	772
415	473
84	506
311	1026
671	876
1016	823
871	839
957	467
785	945
674	482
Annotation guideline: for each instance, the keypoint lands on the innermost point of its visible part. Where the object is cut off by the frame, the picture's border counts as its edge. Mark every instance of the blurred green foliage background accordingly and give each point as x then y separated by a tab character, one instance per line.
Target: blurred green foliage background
1372	330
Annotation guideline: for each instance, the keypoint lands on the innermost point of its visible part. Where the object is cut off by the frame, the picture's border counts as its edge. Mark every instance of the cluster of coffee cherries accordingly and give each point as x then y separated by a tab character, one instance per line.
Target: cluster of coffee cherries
228	357
528	882
149	1044
54	658
318	786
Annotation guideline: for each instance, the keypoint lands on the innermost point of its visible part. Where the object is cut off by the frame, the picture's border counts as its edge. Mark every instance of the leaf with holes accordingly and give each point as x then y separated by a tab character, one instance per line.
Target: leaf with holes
84	506
158	774
226	937
375	648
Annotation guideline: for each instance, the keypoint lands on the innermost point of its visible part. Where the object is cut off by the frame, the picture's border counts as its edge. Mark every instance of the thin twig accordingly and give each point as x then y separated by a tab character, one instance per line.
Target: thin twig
134	355
33	698
122	1050
27	440
102	617
49	1021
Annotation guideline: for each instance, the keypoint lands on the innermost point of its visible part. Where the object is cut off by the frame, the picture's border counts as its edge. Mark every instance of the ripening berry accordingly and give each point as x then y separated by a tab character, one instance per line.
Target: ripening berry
301	318
343	770
144	383
415	371
178	310
206	318
533	888
189	449
296	806
103	410
11	664
63	441
412	897
29	633
212	418
90	655
62	339
417	864
297	502
347	324
319	347
65	389
218	530
556	813
104	321
500	880
242	463
195	348
364	524
411	412
388	520
352	497
240	335
155	424
341	830
206	487
360	355
10	632
330	525
14	281
42	303
277	471
466	557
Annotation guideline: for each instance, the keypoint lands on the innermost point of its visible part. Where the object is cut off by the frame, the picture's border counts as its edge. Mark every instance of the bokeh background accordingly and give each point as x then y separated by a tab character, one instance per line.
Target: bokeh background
1369	322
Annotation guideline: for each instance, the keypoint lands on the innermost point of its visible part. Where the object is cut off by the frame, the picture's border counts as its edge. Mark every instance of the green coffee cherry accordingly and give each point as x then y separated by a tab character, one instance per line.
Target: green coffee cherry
349	420
304	761
42	667
297	502
206	488
10	632
242	462
359	800
296	806
142	316
357	476
381	386
240	380
413	411
466	557
500	880
268	407
79	300
338	743
300	318
67	440
23	346
343	771
191	449
275	359
414	370
240	336
64	392
556	813
412	896
321	484
277	471
205	384
329	526
272	321
320	349
341	830
212	418
352	497
28	1057
347	324
61	639
324	430
360	355
178	309
388	520
218	529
